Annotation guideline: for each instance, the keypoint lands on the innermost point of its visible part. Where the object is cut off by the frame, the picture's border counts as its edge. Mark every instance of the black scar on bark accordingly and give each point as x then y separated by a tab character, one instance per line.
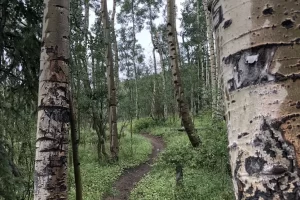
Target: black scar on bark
276	126
268	11
241	187
227	23
295	194
254	165
250	190
268	195
268	149
242	135
240	184
217	17
288	23
257	141
56	113
250	66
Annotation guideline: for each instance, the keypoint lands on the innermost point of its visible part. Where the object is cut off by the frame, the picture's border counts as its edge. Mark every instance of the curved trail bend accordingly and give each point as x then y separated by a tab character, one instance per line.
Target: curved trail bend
132	176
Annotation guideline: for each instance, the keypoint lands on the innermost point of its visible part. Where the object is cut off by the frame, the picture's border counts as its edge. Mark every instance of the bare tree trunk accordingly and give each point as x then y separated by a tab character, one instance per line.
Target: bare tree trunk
3	14
259	50
155	105
51	166
154	109
212	58
112	115
134	64
75	143
115	44
163	74
184	110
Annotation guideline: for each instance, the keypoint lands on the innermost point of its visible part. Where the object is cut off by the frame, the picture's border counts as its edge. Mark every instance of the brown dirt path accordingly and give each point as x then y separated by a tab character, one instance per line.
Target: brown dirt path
132	176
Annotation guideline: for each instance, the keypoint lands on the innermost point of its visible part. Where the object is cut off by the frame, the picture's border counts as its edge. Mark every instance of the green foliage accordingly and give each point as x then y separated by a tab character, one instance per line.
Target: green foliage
144	124
97	179
205	170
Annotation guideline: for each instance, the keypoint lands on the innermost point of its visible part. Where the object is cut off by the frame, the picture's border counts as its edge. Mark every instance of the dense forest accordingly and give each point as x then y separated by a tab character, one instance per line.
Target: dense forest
149	99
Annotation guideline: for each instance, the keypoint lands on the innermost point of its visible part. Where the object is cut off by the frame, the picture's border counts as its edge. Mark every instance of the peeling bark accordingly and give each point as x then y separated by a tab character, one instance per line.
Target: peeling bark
183	107
50	180
259	54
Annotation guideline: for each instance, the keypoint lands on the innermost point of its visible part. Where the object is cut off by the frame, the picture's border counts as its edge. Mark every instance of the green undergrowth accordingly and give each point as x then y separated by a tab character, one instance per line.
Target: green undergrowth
206	172
98	177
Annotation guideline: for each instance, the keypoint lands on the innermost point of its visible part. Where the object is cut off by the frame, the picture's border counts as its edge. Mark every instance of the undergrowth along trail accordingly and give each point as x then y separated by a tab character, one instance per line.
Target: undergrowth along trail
206	171
132	176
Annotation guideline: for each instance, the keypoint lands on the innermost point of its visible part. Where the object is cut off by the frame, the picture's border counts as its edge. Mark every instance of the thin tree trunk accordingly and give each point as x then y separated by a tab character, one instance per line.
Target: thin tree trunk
112	115
200	69
184	111
2	26
212	58
134	64
51	166
75	143
163	74
260	67
154	98
115	43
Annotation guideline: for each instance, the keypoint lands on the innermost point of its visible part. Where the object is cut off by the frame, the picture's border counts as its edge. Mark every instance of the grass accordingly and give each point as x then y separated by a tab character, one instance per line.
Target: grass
206	173
98	178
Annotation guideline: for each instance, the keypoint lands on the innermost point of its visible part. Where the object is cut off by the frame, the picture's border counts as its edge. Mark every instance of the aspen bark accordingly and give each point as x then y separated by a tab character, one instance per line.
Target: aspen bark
184	110
259	48
154	98
134	64
155	105
75	153
212	57
163	74
115	44
53	123
112	115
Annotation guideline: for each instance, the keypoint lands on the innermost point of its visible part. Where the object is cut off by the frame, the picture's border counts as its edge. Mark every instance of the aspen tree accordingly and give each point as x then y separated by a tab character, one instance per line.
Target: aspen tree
50	180
258	44
183	108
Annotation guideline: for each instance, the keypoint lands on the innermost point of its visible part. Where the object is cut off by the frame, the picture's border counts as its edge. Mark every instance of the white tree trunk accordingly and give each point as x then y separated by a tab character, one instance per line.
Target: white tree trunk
259	54
212	57
112	103
50	180
182	104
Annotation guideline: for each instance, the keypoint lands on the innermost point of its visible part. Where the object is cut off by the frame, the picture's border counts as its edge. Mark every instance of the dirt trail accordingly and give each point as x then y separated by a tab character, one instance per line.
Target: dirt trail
132	176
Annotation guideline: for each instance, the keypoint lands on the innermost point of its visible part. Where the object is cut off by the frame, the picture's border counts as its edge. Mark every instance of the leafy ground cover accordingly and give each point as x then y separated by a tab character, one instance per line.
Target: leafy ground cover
97	177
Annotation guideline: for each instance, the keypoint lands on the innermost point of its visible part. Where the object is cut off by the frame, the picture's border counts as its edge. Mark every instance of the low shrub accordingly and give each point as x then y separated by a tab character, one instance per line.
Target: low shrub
144	124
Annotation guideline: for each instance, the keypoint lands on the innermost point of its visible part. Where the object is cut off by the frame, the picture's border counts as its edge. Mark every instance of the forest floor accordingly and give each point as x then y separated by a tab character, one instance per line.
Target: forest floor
132	176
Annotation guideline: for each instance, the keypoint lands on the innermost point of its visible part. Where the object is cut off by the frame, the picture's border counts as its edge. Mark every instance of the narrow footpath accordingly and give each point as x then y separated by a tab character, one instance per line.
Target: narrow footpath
132	176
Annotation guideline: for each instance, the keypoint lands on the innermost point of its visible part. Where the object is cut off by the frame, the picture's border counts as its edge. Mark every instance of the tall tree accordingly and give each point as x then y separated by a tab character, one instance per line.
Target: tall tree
183	107
53	104
115	43
258	44
152	8
112	103
132	17
212	57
